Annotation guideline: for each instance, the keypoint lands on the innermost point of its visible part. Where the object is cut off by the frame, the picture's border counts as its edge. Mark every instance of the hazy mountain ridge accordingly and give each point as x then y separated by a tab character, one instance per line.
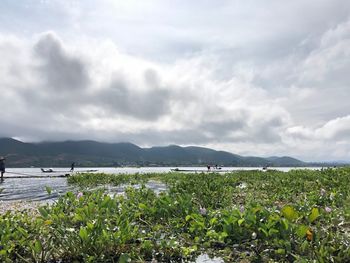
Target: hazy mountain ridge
92	153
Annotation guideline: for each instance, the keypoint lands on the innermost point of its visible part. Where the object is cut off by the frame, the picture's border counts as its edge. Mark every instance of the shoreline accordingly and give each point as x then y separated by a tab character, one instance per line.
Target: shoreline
20	205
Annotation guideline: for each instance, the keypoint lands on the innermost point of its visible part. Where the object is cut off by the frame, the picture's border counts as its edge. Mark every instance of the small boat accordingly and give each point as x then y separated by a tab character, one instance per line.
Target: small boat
199	170
86	171
187	170
50	170
47	170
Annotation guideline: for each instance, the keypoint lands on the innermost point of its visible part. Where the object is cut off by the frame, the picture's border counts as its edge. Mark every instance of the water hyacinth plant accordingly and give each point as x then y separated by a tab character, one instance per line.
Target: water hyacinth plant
298	216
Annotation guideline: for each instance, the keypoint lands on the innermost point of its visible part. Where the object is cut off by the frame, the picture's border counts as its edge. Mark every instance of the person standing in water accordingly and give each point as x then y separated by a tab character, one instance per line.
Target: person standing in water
72	167
2	167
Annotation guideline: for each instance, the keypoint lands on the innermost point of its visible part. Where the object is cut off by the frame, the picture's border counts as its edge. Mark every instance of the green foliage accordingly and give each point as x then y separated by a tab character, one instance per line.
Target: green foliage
96	179
48	190
299	216
289	212
314	214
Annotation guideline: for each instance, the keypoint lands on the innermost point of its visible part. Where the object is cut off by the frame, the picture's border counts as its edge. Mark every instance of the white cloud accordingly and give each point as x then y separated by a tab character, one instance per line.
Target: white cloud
253	78
67	87
336	130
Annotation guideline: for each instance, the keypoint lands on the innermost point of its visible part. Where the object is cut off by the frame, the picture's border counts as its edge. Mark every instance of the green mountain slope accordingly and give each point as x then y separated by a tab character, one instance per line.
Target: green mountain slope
92	153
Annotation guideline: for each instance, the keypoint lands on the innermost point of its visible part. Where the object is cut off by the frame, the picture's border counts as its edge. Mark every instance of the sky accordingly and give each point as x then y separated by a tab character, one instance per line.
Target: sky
260	78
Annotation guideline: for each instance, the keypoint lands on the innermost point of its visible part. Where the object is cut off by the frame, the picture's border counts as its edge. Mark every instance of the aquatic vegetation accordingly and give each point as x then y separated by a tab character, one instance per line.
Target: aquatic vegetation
95	179
298	216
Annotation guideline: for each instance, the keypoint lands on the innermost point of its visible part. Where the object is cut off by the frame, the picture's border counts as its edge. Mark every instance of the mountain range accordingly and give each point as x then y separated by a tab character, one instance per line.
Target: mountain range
93	154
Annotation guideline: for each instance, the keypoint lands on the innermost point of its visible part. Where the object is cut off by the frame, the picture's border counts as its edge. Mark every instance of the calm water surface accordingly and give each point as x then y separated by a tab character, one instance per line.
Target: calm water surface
32	187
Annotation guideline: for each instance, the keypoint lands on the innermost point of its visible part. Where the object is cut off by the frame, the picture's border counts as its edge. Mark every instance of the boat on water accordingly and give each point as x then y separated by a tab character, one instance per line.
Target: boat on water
49	170
86	171
186	170
214	170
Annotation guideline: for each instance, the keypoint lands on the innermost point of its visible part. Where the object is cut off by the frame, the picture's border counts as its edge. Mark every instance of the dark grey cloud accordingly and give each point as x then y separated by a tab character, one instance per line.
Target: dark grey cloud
221	129
121	97
63	85
60	70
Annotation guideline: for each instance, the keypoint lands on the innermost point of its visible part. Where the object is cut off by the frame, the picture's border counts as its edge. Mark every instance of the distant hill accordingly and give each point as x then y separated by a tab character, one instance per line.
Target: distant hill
92	153
284	160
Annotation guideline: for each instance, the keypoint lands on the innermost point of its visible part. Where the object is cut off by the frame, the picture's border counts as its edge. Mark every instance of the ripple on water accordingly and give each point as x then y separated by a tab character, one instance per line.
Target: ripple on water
34	189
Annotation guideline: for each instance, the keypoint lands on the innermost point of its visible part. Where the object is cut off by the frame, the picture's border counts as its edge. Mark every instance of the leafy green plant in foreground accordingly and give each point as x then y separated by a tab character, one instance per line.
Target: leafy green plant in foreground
299	216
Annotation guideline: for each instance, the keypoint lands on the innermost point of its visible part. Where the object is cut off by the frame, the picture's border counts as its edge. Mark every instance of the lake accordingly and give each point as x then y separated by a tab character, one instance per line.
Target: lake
30	188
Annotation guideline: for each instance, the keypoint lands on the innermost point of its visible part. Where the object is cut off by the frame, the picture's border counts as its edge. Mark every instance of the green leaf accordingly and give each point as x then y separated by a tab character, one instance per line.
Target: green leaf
289	212
240	221
223	235
22	231
273	231
213	221
124	258
280	251
90	225
37	246
301	230
264	231
83	234
48	190
142	206
285	224
78	217
105	202
48	222
314	214
43	212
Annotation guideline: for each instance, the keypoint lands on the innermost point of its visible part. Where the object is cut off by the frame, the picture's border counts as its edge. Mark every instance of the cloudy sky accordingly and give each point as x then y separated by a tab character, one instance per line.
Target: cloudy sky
250	77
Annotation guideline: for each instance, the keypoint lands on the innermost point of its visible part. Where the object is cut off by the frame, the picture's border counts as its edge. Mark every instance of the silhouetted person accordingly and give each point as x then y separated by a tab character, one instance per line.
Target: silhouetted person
208	166
2	167
72	167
